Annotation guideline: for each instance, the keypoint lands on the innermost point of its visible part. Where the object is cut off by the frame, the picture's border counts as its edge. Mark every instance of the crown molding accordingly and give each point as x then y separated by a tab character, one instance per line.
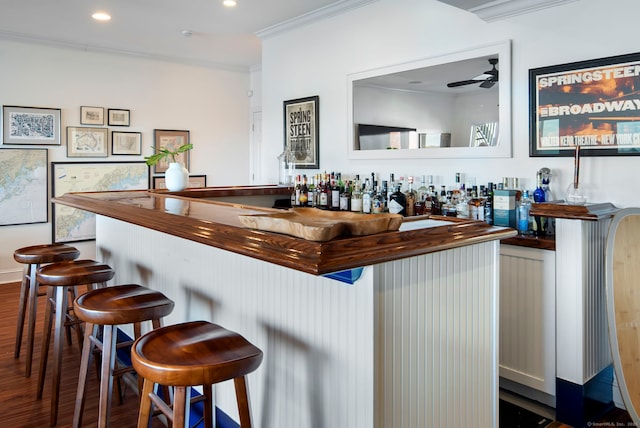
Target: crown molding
503	9
333	9
64	44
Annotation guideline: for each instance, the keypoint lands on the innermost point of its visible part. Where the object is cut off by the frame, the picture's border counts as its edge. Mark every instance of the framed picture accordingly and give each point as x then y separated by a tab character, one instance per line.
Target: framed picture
24	186
86	142
126	143
301	131
31	125
592	104
195	181
119	117
91	115
170	140
71	224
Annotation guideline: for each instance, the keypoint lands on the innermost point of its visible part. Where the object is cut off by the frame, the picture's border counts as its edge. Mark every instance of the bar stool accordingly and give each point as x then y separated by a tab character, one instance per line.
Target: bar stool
110	307
60	277
190	354
32	257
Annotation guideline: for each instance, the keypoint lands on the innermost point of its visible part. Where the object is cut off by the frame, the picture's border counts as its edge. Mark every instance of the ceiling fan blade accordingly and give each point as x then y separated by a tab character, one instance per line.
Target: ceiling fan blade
462	83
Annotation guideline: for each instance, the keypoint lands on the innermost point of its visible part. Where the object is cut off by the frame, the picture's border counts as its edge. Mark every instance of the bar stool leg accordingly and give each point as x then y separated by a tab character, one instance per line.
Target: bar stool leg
144	415
46	339
32	311
85	362
58	345
22	308
208	405
182	397
242	397
109	337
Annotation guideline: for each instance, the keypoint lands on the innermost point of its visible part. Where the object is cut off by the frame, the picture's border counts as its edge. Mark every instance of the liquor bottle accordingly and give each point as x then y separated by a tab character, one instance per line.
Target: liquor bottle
367	195
538	194
398	201
523	213
431	205
410	198
311	198
423	190
295	192
345	196
324	194
488	204
378	201
303	197
476	207
356	196
334	203
384	192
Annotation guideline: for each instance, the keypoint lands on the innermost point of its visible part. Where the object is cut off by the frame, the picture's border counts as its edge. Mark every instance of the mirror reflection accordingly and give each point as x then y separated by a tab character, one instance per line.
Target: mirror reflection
451	106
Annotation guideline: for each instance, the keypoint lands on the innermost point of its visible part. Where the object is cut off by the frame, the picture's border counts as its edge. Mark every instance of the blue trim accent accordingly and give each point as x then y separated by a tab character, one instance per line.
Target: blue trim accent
349	276
581	405
197	410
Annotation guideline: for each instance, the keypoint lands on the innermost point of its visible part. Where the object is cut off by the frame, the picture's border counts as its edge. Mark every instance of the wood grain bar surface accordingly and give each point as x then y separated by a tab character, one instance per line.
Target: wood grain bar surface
192	215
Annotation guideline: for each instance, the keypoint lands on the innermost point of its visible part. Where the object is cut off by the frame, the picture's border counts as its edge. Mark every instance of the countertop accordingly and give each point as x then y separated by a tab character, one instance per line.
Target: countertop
197	216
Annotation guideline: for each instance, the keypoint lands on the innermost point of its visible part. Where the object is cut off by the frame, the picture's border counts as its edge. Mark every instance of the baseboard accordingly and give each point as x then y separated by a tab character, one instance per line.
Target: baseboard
10	275
197	410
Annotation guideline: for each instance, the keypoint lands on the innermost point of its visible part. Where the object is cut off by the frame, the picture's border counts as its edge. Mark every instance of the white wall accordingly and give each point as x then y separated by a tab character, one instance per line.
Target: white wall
316	59
212	104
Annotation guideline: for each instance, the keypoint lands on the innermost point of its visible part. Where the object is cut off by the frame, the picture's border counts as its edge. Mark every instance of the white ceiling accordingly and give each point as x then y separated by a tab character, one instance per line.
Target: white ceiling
221	37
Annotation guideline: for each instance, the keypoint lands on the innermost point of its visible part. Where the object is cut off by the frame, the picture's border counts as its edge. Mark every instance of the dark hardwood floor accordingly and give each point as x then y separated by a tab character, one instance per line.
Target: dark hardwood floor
19	407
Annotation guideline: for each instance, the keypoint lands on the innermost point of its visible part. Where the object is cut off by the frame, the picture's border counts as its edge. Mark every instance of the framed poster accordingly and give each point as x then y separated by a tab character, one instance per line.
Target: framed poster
126	143
71	224
170	140
301	131
195	181
86	142
119	117
31	125
23	186
91	115
592	104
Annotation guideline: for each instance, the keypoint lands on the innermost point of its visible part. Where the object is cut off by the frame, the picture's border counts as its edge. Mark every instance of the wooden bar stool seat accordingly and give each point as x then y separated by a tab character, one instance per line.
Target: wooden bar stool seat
32	258
60	277
190	354
110	307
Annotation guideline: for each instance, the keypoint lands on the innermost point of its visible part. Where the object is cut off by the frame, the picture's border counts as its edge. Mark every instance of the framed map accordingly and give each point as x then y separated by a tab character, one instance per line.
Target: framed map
71	224
31	125
23	184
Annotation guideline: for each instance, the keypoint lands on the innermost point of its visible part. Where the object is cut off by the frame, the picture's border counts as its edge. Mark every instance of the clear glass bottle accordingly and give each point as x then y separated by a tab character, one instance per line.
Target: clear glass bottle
378	202
524	208
367	195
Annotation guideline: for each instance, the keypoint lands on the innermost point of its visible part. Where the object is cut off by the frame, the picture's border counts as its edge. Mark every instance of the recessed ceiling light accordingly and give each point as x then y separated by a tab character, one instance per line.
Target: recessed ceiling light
101	16
229	3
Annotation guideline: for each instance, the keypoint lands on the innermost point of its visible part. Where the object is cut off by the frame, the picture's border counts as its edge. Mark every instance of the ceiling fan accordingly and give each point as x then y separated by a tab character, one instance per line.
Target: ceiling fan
486	80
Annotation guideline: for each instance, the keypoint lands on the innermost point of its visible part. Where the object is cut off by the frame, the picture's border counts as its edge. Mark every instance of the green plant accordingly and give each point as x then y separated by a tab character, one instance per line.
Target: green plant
164	153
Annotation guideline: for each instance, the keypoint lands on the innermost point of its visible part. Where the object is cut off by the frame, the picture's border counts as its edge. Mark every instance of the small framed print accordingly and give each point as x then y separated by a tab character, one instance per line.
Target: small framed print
86	142
119	117
195	182
170	140
126	143
91	115
30	125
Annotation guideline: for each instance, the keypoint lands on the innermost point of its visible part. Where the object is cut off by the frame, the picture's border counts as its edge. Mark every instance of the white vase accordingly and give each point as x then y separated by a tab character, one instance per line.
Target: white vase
176	177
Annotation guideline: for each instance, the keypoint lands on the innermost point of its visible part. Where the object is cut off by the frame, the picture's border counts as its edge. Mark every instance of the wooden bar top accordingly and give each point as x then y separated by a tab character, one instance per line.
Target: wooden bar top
196	215
589	211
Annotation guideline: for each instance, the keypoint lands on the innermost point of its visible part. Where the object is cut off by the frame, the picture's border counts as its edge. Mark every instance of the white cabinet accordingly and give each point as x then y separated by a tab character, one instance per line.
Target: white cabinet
528	321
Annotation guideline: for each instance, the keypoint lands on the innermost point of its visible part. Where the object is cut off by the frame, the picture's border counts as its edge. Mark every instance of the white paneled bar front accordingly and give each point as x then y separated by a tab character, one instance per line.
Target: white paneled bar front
413	342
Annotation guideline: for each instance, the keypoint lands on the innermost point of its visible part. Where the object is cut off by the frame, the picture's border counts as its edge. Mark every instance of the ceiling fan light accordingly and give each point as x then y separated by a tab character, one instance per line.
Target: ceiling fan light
229	3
